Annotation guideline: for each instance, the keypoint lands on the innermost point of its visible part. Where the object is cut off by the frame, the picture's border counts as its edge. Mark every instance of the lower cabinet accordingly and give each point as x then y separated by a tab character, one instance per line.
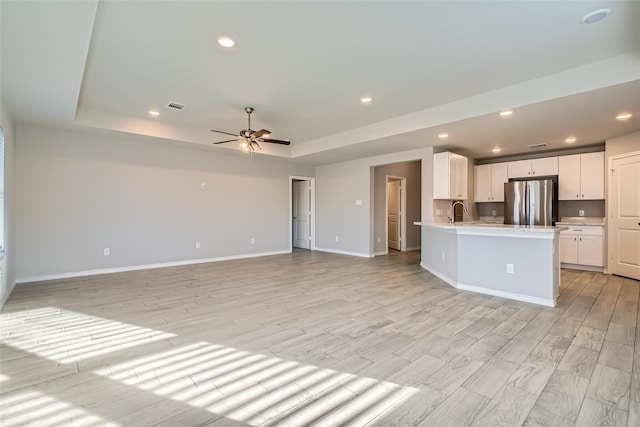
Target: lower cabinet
582	245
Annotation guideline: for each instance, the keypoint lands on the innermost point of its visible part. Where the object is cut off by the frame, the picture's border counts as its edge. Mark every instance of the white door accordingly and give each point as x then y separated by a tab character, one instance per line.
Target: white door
624	215
301	212
393	215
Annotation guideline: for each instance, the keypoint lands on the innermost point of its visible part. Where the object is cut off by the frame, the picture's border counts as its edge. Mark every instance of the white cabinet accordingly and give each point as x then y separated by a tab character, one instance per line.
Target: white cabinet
532	168
582	245
581	177
449	176
489	182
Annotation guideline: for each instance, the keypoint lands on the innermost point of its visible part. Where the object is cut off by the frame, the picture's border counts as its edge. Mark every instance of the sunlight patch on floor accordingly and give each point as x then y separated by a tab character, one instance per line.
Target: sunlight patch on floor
66	336
35	408
255	388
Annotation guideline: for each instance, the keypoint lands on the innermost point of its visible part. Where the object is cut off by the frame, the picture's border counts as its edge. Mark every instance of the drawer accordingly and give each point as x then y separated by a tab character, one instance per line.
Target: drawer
584	230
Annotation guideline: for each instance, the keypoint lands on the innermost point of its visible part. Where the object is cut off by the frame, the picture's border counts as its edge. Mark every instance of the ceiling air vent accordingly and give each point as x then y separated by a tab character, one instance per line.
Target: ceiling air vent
534	146
176	106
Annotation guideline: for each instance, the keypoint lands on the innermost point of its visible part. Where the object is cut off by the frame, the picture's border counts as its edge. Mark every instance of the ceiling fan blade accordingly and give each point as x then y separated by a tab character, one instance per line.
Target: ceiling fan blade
261	132
228	140
276	141
226	133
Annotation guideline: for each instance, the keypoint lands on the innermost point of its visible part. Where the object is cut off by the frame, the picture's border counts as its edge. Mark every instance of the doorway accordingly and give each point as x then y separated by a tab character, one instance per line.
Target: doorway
396	217
302	212
624	215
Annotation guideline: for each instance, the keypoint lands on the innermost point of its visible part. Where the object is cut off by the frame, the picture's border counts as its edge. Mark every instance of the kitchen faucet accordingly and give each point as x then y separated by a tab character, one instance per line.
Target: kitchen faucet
452	218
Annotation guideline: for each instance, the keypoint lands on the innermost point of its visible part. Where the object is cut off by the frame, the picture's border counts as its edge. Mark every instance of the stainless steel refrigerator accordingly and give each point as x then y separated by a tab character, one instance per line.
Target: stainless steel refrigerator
530	202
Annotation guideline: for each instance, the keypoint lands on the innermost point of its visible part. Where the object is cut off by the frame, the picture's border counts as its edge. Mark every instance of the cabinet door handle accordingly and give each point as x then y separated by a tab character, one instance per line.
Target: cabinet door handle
574	239
583	196
577	196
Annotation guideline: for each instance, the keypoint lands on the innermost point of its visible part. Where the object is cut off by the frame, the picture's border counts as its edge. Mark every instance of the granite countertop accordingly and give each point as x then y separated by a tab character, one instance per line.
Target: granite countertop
478	228
581	220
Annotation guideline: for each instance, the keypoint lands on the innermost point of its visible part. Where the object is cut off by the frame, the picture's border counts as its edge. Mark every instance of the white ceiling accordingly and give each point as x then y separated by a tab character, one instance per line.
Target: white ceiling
430	66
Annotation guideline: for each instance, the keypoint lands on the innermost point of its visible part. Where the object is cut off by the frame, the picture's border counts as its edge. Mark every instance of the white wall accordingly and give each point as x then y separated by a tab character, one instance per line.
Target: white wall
7	262
412	171
339	185
78	193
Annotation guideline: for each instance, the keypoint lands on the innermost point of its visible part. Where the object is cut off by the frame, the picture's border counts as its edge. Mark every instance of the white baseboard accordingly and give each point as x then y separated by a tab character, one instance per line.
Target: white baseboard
380	253
337	251
415	248
142	267
582	267
508	295
492	292
441	276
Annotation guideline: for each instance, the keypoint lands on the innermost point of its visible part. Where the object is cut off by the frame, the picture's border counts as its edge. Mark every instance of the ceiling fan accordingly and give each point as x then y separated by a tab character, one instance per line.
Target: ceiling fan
251	138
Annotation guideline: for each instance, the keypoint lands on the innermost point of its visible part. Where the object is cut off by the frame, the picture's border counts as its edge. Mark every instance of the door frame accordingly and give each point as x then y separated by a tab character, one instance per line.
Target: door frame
403	211
312	210
609	208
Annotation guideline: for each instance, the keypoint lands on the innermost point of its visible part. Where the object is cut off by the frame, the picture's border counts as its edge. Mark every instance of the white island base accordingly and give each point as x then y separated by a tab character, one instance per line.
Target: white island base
515	262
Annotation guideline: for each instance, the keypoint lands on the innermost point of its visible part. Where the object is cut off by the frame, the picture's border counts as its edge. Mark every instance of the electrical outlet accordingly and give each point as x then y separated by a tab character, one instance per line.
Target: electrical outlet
337	239
510	268
253	241
106	251
358	202
378	239
581	212
203	185
443	256
493	213
197	245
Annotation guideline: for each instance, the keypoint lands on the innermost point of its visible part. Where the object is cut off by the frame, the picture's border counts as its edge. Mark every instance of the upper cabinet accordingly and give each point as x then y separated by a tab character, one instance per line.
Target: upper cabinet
449	176
581	176
532	168
489	182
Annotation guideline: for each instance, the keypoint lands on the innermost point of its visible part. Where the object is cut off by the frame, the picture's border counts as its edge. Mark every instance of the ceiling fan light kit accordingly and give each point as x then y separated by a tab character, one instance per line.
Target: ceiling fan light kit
251	138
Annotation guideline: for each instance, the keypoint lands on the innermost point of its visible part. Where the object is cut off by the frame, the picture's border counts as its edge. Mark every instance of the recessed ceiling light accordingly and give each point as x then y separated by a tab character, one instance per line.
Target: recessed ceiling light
595	16
570	140
506	113
496	149
443	135
154	113
225	41
624	116
366	99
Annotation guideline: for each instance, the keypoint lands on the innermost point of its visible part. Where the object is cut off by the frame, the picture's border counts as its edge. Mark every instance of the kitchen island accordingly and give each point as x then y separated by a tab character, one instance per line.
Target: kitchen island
510	261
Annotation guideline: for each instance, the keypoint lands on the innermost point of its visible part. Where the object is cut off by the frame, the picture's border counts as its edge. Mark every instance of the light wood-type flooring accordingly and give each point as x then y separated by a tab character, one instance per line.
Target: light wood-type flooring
312	338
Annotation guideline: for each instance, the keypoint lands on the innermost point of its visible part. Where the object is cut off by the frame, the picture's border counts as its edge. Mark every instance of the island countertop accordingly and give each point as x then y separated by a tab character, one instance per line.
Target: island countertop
502	230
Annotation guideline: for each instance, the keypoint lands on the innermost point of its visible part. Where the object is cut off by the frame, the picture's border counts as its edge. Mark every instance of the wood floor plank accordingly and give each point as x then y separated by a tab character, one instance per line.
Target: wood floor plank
509	407
594	413
563	395
579	361
490	378
610	386
459	409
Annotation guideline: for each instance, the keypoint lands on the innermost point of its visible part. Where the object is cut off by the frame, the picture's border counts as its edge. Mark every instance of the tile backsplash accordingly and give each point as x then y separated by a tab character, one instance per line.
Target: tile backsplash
571	208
